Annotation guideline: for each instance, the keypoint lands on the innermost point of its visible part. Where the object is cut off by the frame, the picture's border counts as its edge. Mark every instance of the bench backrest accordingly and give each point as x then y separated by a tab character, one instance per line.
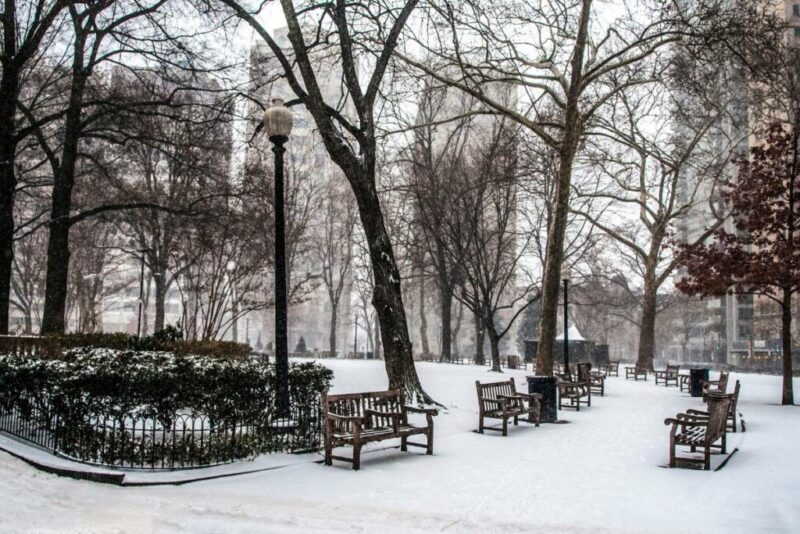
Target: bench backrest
613	364
491	390
673	370
718	407
356	404
735	397
723	381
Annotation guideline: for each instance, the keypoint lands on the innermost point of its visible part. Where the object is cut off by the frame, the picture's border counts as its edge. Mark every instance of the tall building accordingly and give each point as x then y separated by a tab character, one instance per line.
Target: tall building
445	138
733	326
310	174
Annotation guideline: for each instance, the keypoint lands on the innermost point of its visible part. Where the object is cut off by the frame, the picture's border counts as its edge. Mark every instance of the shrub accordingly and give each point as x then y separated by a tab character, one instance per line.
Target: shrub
97	397
164	340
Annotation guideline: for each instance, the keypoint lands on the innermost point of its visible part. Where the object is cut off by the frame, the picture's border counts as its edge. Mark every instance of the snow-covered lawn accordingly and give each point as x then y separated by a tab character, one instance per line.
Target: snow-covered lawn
599	473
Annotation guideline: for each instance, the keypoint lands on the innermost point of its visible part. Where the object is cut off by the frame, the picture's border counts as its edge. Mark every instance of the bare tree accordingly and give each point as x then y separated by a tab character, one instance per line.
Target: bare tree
369	30
27	29
334	249
484	238
568	64
663	177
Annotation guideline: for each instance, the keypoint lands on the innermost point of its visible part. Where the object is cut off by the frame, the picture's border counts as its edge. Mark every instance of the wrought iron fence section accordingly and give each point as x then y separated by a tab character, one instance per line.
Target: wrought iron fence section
177	441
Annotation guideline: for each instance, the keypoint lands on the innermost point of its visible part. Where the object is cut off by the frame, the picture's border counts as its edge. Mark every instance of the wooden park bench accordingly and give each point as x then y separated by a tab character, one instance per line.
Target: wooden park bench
596	379
512	361
500	400
359	418
668	375
704	432
635	372
732	413
716	386
576	392
612	369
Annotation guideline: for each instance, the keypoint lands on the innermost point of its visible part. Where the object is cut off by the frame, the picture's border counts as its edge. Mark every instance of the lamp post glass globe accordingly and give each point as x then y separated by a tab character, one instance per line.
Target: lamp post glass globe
565	273
278	120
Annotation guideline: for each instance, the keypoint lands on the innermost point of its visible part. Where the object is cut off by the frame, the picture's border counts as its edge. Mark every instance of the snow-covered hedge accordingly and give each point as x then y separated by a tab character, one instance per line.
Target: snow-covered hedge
97	400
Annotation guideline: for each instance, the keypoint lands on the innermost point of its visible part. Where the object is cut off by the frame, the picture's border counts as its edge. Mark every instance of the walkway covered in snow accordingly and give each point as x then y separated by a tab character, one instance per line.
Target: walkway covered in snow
600	472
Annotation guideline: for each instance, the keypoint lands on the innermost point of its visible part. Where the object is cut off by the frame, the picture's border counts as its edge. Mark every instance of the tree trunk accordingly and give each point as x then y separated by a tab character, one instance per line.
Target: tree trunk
647	328
57	277
387	298
479	336
456	329
28	323
423	321
376	340
334	325
555	234
160	304
786	343
494	343
445	294
9	87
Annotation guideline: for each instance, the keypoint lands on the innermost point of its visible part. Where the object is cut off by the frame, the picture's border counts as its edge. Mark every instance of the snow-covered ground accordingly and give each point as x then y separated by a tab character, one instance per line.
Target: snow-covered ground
599	473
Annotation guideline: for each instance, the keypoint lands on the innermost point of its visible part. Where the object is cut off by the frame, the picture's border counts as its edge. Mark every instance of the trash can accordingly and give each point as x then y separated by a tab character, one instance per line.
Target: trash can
546	386
696	379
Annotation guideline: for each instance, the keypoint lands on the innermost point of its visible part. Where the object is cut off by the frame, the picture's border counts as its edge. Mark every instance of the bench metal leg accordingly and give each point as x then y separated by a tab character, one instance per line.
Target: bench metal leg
356	457
404	444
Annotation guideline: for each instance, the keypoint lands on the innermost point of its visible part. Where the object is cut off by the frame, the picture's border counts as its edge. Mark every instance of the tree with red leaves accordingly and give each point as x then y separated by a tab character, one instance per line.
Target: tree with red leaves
760	256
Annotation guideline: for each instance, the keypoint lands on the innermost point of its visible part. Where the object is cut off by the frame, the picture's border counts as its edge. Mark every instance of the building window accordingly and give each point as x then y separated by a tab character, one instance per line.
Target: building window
796	10
797	31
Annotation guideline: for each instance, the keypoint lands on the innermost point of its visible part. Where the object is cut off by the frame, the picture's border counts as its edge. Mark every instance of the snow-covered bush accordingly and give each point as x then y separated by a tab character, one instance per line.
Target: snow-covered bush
114	407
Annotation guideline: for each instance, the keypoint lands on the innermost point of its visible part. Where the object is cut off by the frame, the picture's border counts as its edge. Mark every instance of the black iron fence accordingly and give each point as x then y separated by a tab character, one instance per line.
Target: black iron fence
177	441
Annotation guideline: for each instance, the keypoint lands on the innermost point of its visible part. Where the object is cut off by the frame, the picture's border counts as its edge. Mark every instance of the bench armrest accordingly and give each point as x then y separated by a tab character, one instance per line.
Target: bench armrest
537	396
426	411
359	422
685	422
698	413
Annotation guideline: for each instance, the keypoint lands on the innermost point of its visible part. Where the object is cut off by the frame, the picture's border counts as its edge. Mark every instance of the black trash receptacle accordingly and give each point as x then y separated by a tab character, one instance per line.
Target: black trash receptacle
546	385
696	379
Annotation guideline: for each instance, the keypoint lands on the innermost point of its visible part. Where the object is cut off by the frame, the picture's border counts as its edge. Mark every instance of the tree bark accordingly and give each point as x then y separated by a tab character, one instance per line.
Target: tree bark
334	325
479	336
457	329
573	130
387	298
376	341
423	321
160	301
446	305
647	328
494	344
57	277
786	343
9	89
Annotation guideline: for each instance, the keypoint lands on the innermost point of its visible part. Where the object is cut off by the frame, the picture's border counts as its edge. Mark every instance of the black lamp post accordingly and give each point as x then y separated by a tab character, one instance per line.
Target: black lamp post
278	125
565	277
